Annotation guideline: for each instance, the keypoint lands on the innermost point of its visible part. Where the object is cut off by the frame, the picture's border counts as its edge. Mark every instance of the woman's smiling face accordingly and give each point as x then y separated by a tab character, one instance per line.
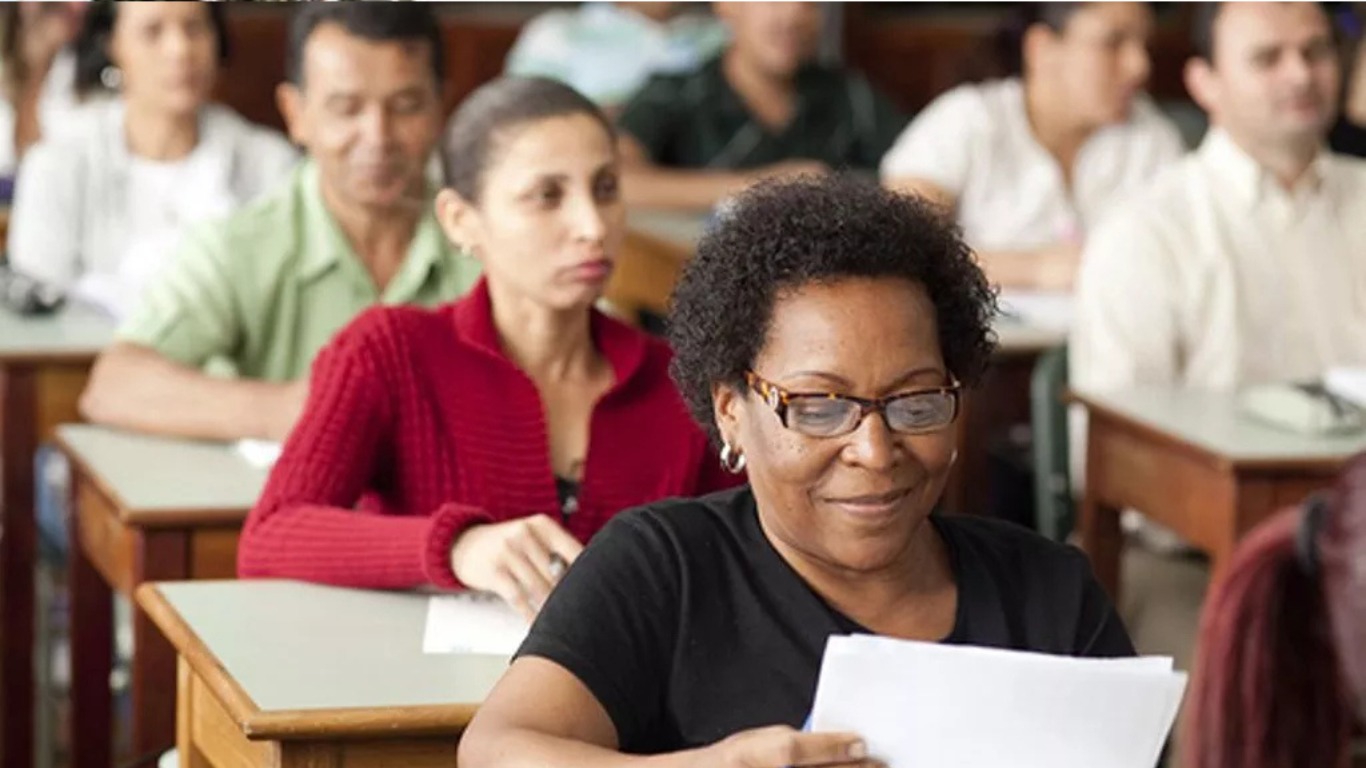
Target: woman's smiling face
855	501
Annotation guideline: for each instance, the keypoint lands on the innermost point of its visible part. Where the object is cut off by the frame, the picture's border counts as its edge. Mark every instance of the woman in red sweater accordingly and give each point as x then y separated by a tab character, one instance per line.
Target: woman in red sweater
482	443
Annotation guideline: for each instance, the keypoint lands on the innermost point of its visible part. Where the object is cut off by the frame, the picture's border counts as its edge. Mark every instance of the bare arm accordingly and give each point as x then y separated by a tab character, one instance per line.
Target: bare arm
540	714
647	185
133	387
1049	268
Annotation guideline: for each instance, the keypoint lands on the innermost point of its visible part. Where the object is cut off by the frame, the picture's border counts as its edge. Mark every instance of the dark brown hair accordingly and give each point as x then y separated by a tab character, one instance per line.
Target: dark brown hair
92	44
488	114
376	22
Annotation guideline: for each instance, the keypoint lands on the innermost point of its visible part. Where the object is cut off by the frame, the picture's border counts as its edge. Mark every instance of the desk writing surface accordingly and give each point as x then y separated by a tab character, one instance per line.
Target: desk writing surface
72	332
1212	421
293	646
148	474
682	229
1015	336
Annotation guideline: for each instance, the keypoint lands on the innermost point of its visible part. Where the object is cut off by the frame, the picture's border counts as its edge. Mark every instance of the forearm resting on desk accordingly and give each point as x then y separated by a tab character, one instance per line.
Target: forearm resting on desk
1051	268
132	387
648	186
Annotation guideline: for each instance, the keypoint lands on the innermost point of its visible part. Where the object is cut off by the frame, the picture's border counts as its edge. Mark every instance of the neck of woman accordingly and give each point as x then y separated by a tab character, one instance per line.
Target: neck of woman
1054	126
912	596
549	344
160	136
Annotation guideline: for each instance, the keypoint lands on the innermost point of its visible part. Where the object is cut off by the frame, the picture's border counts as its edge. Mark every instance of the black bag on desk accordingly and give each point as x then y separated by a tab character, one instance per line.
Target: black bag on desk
24	295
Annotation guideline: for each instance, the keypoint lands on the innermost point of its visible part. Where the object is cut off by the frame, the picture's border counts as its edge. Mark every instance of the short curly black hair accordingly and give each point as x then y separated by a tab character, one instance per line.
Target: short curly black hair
781	235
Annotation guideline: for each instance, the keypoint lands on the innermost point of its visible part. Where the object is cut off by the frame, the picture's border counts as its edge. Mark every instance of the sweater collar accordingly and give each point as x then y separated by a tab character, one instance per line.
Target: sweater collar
623	346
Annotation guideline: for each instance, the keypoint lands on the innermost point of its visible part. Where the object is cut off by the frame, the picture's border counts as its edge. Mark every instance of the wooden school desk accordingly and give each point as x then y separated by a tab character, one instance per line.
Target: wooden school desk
281	673
44	362
1192	462
1000	400
658	244
144	508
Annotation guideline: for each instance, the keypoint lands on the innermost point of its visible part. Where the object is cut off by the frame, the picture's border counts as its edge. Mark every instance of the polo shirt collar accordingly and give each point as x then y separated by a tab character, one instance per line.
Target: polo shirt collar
623	346
325	245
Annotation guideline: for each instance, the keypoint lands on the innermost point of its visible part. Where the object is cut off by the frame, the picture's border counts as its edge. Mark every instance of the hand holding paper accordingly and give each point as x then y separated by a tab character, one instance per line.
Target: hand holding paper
927	704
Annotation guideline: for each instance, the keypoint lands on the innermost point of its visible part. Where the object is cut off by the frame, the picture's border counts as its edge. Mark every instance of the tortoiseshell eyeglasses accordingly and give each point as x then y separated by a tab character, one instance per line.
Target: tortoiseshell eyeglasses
827	414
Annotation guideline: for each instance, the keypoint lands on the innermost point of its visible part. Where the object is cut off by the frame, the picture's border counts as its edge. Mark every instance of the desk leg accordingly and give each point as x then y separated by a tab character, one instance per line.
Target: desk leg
18	545
1103	541
163	556
92	650
188	749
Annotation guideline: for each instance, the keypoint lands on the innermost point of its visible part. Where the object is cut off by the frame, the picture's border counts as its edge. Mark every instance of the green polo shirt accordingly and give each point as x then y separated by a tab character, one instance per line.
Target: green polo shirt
697	121
266	288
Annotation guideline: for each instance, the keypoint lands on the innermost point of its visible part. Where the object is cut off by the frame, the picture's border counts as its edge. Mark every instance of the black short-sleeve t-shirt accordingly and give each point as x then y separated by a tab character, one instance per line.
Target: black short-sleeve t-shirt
688	626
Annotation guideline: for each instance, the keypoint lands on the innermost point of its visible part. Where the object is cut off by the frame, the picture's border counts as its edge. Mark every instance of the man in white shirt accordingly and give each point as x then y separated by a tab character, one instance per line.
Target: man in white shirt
1246	262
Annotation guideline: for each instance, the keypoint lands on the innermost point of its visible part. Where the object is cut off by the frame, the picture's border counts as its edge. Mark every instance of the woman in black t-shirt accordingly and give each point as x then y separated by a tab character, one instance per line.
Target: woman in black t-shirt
822	334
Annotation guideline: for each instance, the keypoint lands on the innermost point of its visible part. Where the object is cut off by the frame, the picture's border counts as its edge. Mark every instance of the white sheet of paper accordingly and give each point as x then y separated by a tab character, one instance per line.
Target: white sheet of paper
1348	384
472	622
928	704
1043	309
261	454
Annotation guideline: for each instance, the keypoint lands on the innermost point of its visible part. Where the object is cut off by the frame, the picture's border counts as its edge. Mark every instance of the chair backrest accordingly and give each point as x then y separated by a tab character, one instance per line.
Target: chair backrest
1054	508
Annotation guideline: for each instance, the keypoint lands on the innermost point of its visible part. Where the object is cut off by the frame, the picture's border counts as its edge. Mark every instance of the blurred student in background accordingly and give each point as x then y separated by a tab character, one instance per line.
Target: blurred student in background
37	74
764	107
1029	164
260	292
607	51
104	202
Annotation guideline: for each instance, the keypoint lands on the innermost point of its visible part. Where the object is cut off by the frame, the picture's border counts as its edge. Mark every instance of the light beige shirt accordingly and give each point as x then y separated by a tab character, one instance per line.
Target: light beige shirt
1215	276
976	143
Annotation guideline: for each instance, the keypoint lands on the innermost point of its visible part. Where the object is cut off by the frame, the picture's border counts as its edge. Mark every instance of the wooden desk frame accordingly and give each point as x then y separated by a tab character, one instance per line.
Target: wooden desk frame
219	726
644	275
115	549
999	401
37	392
1209	499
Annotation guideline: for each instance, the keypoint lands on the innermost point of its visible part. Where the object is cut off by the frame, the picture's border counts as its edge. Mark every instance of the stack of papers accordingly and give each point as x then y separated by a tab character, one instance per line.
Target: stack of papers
927	704
473	622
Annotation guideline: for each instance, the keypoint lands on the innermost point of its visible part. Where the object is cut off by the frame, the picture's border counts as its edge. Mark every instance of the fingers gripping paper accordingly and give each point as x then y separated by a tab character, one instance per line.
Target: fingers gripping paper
920	704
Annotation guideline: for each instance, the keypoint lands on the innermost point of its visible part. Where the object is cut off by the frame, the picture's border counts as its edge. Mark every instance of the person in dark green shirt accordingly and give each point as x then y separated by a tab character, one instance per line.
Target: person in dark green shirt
764	107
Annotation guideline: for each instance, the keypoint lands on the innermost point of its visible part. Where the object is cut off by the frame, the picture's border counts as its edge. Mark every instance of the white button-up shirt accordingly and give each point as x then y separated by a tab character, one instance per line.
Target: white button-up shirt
1216	276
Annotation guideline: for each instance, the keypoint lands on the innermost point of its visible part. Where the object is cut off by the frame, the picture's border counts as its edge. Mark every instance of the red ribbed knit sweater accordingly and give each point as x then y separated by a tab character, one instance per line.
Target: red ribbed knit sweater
418	425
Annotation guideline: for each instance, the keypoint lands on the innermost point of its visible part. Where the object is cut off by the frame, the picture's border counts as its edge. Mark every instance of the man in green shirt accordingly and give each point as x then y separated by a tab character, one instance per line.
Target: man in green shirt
261	292
764	108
